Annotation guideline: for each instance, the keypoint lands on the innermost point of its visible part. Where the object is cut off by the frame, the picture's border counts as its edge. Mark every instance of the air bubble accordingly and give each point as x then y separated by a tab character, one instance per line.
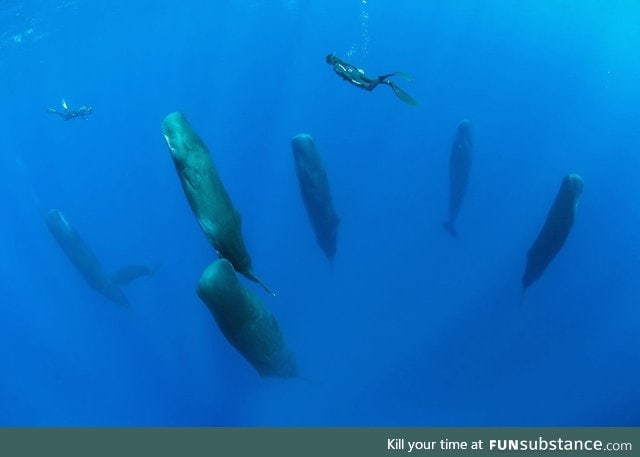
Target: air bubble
361	47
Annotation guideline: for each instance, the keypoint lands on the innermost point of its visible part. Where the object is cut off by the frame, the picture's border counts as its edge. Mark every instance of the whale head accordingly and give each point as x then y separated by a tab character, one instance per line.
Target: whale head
574	184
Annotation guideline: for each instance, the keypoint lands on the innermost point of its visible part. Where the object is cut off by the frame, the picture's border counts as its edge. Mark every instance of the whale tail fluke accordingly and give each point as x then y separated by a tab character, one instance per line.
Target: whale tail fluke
130	273
448	226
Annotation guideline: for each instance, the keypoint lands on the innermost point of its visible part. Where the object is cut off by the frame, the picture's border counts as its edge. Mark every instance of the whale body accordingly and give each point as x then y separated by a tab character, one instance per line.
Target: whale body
86	262
555	230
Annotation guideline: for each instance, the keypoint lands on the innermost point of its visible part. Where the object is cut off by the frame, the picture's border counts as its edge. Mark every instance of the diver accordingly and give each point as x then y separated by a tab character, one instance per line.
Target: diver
67	113
357	77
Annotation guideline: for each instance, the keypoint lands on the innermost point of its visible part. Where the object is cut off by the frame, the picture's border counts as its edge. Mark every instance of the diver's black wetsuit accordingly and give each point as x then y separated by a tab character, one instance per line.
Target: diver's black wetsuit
67	114
357	77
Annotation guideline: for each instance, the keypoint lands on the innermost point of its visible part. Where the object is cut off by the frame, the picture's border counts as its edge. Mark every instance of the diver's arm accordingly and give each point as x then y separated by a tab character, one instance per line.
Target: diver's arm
341	68
357	76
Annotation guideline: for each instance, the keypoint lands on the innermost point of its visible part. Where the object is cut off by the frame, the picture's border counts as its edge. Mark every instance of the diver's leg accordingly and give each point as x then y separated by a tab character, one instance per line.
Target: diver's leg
372	85
55	111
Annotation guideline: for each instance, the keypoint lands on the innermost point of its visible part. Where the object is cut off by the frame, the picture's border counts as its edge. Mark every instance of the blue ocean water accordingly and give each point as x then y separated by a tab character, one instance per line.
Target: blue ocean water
407	326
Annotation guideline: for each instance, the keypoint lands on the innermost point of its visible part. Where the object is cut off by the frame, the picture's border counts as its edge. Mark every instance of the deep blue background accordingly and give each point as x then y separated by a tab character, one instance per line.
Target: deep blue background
408	327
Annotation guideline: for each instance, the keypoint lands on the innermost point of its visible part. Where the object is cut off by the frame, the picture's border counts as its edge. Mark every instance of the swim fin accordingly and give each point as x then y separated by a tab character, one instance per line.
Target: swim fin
402	95
403	75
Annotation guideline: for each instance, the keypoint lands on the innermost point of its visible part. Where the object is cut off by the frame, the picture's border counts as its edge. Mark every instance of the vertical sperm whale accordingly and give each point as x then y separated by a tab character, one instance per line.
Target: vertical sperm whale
314	187
555	230
459	168
205	192
245	322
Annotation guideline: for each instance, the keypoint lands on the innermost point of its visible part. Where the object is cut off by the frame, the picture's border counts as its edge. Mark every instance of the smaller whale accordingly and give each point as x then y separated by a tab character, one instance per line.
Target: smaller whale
555	230
459	168
88	264
314	187
245	322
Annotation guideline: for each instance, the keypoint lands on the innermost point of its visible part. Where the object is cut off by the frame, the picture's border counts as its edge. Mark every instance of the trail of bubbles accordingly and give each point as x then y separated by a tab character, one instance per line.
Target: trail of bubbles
362	47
